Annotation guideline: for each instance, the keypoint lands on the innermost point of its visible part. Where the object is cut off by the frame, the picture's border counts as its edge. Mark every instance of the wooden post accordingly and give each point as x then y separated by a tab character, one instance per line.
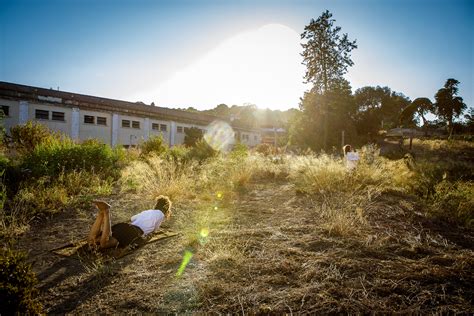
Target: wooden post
342	139
274	136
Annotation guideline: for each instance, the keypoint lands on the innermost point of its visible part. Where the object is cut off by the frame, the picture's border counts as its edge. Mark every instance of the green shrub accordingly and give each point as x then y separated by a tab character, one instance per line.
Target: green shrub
454	202
239	151
154	144
201	151
26	137
54	156
17	284
4	163
192	136
177	153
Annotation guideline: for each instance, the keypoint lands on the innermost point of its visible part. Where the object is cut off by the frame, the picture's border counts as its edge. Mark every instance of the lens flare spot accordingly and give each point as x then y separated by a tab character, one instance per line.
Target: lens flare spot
204	232
219	195
215	208
186	258
219	135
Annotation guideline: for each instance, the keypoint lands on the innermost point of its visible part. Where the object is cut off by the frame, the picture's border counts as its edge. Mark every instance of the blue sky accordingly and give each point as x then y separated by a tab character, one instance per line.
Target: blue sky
135	50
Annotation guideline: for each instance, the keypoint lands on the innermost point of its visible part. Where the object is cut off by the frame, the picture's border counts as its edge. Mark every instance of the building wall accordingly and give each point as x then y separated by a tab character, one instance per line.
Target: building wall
164	134
179	136
12	118
129	135
95	130
59	126
75	126
250	139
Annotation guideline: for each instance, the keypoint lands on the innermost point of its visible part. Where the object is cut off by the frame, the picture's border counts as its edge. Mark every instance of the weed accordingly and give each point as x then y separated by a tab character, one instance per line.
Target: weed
17	284
454	202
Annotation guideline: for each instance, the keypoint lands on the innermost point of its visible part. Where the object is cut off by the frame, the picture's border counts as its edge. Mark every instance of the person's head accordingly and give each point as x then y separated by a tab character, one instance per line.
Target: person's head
163	203
346	149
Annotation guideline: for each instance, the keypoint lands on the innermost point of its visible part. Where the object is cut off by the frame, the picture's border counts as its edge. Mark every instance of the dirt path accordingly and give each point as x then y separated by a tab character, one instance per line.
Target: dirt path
269	252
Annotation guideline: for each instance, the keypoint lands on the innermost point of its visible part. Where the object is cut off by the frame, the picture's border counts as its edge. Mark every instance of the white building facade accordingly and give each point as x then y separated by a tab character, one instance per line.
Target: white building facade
113	122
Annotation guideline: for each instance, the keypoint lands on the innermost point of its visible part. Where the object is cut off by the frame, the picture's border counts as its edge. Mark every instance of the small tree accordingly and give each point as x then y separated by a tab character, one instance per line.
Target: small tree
192	136
420	106
326	55
449	105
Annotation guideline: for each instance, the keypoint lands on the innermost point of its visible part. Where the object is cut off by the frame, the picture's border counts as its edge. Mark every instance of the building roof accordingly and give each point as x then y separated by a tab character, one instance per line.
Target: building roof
28	93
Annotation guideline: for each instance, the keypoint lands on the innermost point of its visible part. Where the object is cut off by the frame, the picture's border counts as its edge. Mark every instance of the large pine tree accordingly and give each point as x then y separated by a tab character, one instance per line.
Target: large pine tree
326	55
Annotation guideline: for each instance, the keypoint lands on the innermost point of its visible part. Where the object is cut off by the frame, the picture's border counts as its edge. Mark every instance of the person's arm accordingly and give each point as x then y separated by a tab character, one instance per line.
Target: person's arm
134	217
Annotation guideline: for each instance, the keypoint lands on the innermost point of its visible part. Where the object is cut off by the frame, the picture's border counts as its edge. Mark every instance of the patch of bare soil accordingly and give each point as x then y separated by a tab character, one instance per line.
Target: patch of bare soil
268	251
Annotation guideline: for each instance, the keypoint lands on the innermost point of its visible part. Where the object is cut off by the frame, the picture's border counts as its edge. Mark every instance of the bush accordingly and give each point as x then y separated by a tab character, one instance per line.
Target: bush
239	151
27	137
201	151
154	144
454	202
265	149
177	154
4	163
17	284
54	156
192	136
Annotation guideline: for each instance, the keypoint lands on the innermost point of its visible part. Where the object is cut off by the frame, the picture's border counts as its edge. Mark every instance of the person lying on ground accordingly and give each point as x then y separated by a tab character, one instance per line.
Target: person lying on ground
105	235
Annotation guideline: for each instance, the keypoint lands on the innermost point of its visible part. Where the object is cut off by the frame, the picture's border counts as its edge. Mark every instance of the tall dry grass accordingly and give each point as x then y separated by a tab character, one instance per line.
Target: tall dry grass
340	195
155	176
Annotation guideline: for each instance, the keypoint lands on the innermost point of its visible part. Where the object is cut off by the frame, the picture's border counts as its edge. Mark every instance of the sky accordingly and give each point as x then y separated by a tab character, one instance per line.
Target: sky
199	54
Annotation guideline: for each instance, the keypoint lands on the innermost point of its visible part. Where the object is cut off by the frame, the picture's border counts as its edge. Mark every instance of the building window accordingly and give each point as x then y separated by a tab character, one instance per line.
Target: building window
125	123
101	120
58	116
88	119
5	109
186	129
163	127
135	124
255	138
155	126
42	115
179	129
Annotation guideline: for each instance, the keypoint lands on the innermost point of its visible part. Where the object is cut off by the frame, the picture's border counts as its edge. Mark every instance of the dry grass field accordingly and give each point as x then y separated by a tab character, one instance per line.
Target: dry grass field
278	234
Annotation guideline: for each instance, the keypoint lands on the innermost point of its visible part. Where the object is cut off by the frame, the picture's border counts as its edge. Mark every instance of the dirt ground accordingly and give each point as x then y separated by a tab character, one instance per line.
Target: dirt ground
266	250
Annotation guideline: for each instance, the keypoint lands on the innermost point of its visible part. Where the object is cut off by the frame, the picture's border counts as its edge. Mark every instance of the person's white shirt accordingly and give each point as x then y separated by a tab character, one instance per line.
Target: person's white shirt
148	221
352	159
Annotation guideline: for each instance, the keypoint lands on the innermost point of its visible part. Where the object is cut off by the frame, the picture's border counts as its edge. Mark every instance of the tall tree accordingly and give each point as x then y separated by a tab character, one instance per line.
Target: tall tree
469	121
378	108
449	105
308	125
420	106
326	55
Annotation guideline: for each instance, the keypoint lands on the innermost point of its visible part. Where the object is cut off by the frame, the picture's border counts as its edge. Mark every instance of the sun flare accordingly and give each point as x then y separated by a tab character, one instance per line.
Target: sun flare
261	66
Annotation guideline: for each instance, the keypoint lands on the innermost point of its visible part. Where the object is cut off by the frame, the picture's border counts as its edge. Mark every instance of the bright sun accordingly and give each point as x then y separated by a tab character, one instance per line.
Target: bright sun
261	67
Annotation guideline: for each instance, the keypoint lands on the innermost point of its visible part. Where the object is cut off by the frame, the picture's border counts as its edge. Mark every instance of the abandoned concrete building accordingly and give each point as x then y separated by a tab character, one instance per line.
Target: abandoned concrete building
113	122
